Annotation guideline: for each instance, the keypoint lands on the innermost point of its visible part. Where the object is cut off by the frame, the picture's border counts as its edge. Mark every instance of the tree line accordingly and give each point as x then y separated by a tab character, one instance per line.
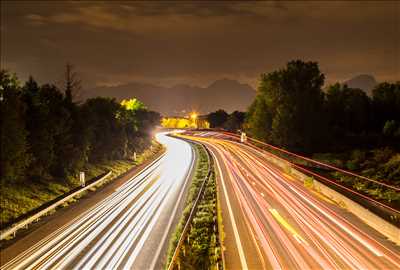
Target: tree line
47	136
293	111
231	122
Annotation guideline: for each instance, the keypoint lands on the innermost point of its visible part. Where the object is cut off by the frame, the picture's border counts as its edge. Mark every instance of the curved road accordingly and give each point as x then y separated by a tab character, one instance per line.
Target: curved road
129	229
271	221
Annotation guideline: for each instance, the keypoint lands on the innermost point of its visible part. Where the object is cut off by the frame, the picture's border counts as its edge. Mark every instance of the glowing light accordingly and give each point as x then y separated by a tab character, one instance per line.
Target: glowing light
308	232
113	233
193	116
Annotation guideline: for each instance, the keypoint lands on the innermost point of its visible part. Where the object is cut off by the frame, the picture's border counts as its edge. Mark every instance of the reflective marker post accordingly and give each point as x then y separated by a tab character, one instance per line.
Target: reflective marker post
82	178
243	137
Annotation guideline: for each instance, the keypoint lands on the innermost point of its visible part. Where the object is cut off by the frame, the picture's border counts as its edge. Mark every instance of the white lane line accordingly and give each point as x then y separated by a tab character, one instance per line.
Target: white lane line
89	260
234	226
25	256
76	227
157	254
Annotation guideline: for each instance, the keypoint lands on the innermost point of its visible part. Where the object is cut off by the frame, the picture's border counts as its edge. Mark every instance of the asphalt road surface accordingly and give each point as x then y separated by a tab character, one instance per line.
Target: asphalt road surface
129	229
271	221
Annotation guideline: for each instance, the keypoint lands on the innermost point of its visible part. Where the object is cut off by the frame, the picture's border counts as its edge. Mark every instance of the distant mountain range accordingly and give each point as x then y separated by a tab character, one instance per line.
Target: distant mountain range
178	100
181	99
364	81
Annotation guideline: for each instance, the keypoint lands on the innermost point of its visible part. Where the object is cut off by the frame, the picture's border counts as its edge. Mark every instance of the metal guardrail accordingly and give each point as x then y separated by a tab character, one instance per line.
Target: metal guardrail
192	212
312	161
24	223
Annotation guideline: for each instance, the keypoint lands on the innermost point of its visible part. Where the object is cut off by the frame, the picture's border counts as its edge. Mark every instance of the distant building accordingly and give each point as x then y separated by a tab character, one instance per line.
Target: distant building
185	122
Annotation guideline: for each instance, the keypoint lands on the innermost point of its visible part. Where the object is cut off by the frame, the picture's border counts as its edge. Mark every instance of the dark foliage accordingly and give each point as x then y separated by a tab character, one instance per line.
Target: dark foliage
221	119
292	111
46	136
235	121
217	118
289	107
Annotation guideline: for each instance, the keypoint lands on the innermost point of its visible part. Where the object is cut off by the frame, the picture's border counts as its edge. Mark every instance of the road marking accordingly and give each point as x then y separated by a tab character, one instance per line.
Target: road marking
289	176
285	224
235	230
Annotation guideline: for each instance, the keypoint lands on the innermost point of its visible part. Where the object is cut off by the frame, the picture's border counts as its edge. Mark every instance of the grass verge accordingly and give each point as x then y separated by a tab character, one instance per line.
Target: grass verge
20	201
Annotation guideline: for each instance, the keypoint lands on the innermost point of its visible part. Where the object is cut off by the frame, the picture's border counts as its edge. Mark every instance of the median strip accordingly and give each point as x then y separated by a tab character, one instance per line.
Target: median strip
196	241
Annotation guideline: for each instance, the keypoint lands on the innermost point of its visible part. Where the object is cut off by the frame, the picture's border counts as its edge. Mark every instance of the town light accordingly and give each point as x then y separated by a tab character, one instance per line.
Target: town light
193	116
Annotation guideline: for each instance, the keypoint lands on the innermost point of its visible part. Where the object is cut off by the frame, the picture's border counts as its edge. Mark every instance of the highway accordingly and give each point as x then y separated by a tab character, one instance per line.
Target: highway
271	221
129	229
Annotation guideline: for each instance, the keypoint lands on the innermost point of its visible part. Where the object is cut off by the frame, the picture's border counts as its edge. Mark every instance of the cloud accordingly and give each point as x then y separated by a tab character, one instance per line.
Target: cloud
35	19
151	17
95	16
198	42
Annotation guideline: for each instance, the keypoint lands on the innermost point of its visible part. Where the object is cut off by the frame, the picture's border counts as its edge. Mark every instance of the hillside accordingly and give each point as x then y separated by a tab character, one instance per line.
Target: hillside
224	94
364	81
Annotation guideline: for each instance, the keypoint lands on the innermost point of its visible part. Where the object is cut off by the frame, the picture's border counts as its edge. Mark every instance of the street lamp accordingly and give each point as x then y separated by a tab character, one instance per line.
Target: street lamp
194	118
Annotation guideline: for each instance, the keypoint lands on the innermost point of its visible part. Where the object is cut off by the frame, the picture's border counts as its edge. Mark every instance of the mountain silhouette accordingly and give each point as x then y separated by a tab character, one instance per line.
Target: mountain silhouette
364	81
226	94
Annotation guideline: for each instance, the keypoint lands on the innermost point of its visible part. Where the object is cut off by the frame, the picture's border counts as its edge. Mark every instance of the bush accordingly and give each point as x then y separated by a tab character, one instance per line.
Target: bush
201	247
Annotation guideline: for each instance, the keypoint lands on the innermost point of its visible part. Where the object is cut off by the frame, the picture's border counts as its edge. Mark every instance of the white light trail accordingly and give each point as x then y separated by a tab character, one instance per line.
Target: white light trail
114	232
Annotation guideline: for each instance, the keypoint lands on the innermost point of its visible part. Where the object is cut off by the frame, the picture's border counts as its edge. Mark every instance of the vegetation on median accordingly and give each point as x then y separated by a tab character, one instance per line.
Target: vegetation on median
201	249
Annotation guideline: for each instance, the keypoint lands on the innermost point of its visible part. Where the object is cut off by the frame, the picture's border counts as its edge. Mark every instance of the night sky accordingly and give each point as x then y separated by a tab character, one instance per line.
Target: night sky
195	43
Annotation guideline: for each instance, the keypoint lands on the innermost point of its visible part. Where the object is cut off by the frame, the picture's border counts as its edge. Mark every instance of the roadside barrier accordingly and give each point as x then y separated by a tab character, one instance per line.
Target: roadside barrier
378	215
24	223
35	217
309	160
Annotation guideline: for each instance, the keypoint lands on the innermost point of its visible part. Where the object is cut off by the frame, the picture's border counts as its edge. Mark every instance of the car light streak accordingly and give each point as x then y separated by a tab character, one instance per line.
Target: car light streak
235	230
113	233
295	228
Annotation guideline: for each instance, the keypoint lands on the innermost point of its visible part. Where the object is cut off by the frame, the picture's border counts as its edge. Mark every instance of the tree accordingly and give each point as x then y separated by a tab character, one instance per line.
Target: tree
106	135
391	128
289	107
47	137
50	123
14	146
348	109
217	118
71	84
146	120
133	104
386	103
39	125
75	138
235	121
258	122
60	123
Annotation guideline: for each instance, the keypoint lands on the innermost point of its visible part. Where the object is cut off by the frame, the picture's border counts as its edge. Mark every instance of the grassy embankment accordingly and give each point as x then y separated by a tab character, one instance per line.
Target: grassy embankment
202	250
382	164
19	200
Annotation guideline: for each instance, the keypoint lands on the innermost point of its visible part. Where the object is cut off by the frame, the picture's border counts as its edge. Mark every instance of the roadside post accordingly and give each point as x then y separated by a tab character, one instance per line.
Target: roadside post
82	178
243	137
